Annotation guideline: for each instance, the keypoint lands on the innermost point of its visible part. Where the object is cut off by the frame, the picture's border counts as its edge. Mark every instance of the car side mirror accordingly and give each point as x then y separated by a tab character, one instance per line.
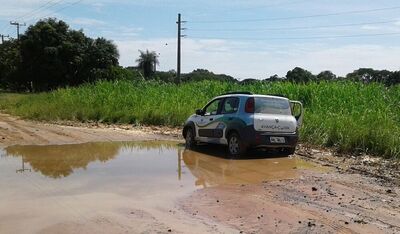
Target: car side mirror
297	111
199	112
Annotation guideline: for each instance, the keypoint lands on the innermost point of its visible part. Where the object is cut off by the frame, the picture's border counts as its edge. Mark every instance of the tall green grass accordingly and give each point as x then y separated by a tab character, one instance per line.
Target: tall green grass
350	117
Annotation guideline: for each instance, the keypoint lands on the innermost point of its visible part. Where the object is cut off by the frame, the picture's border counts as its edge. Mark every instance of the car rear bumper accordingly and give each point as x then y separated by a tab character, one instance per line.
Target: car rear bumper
254	139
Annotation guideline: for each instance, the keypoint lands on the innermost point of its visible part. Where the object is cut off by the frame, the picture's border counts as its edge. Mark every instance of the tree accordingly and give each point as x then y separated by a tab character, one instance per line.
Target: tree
326	75
10	59
299	75
249	81
101	57
52	56
368	75
393	79
365	75
204	74
147	61
274	78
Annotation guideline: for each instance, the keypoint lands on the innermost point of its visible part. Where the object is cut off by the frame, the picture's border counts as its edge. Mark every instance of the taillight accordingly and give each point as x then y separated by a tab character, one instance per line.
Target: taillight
258	138
249	108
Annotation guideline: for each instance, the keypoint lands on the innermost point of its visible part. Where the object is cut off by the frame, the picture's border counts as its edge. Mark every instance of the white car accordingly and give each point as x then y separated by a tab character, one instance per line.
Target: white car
243	120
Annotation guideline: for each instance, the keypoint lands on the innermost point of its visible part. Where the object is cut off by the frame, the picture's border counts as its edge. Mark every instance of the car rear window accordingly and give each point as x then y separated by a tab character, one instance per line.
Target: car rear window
267	105
230	105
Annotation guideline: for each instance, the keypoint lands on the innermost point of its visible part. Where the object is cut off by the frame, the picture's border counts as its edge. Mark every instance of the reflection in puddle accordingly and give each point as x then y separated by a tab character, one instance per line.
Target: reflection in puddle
42	186
59	161
211	171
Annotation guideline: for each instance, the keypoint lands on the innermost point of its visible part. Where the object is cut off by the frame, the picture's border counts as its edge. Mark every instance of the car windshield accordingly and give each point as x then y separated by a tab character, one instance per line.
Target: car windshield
268	105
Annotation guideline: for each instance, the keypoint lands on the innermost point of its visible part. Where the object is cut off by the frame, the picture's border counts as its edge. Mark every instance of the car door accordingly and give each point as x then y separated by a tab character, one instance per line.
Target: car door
208	122
229	111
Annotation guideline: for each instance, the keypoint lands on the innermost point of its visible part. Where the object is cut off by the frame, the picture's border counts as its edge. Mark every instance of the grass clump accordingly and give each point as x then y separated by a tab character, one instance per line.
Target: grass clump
352	117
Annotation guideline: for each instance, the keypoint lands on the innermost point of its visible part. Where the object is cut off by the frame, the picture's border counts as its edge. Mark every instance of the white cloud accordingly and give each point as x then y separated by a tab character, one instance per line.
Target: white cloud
345	59
24	9
369	27
98	6
87	22
240	59
261	64
166	47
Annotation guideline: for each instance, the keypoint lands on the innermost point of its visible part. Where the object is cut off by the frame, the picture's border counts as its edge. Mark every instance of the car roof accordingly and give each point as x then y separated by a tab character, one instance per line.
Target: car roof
250	95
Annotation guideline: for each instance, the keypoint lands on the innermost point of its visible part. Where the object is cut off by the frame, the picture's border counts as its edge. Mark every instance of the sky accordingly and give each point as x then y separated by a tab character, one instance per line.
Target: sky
241	38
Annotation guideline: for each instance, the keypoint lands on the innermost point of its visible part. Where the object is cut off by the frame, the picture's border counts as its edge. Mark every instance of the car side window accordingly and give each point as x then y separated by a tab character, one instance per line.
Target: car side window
212	108
230	106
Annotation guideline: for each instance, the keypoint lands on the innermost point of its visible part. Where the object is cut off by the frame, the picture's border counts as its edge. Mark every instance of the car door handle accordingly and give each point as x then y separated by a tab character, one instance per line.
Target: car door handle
230	118
211	119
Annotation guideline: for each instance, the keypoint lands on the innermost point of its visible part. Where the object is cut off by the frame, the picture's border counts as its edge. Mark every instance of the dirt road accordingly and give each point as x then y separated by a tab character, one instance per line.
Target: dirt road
349	195
14	131
314	203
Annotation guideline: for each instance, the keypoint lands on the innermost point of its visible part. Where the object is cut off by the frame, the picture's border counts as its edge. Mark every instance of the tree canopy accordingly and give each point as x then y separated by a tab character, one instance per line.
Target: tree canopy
147	61
51	55
10	58
299	75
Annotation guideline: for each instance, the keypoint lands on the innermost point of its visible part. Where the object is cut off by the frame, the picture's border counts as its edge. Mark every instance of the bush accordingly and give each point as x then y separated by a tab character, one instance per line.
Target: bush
350	116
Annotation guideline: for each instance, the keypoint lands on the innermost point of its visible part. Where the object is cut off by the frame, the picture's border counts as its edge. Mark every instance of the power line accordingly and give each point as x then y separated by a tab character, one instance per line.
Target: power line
57	10
298	38
298	17
3	36
43	16
45	6
18	25
67	6
275	4
6	27
294	28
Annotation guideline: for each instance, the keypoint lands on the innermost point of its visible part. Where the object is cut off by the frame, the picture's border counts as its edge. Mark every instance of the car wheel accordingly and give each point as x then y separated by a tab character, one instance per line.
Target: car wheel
289	151
235	145
189	139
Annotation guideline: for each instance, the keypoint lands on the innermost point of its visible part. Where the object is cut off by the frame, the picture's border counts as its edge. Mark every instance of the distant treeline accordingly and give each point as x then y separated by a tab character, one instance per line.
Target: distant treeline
297	75
347	116
50	55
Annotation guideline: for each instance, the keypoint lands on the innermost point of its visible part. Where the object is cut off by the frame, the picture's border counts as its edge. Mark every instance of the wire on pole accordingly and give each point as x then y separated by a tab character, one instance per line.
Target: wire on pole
18	25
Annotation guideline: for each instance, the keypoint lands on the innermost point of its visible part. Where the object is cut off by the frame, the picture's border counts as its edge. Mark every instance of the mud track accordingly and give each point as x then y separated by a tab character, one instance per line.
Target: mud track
356	194
14	131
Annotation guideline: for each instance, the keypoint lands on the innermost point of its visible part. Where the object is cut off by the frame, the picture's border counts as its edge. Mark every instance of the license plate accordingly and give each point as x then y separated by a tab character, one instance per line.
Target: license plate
279	140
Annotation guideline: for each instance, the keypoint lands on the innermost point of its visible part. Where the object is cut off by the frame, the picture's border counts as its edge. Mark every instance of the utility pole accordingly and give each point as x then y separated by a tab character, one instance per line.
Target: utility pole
2	38
18	26
180	29
155	62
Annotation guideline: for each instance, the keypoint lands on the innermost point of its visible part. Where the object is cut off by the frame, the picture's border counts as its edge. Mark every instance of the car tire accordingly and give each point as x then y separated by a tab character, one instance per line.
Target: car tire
190	142
235	145
289	151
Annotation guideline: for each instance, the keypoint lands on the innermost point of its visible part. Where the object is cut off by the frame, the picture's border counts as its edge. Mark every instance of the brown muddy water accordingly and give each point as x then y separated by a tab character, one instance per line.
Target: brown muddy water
42	186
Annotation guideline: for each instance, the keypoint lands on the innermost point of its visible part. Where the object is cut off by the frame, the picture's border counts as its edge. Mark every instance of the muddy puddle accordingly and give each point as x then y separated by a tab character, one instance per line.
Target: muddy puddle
46	186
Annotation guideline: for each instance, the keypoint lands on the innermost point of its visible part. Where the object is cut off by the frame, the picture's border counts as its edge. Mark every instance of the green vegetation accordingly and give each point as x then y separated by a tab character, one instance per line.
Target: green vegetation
50	55
147	61
356	113
349	116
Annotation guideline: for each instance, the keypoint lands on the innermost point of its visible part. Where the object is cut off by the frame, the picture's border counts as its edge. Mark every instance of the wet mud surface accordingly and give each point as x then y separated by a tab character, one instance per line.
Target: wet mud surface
110	187
145	184
298	197
14	131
